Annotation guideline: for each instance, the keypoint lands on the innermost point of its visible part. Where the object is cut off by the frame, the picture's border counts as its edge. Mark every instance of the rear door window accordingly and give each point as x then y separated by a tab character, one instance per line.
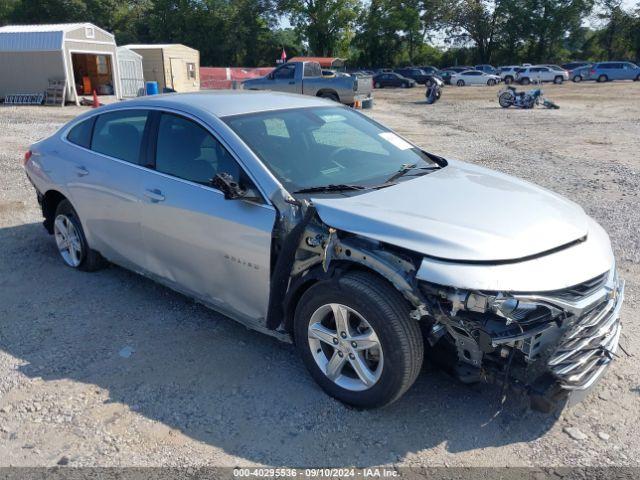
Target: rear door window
119	134
81	133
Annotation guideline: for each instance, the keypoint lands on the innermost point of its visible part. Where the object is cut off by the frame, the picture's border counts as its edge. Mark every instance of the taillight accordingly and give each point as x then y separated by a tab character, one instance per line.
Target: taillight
27	156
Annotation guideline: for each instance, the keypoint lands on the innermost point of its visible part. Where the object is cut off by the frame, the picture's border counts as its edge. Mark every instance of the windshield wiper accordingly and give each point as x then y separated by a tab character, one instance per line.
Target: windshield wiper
406	168
330	188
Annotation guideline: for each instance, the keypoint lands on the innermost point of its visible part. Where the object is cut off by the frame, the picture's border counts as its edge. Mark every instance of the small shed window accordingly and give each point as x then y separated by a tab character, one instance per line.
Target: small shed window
191	70
102	65
89	32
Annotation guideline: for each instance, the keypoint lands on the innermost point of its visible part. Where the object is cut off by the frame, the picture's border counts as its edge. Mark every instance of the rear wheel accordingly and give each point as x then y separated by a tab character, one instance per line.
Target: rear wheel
525	81
491	82
460	83
71	241
638	78
357	340
377	85
602	78
508	80
505	100
577	78
330	96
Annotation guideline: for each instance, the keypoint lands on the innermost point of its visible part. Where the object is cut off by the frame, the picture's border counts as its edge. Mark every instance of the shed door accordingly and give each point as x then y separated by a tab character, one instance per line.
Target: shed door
132	77
178	73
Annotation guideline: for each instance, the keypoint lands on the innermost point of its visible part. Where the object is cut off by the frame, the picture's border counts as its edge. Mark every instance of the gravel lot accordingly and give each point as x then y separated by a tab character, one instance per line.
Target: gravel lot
111	369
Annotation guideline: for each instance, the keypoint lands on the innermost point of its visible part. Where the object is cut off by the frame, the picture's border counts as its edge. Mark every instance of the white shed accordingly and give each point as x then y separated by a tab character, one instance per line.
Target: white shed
131	73
81	53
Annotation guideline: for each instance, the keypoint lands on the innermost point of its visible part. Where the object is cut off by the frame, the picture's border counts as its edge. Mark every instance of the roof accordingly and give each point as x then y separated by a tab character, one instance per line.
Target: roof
223	103
323	61
152	46
16	38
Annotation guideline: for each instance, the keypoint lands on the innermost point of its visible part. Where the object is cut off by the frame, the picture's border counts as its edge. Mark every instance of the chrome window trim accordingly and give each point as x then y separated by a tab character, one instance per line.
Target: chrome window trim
64	132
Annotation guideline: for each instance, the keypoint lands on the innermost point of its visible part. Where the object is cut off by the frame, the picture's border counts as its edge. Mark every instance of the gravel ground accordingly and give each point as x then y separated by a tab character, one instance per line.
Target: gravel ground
110	369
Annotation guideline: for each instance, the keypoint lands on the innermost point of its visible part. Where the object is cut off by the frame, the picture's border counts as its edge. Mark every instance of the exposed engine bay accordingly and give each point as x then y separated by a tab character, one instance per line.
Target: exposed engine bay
544	344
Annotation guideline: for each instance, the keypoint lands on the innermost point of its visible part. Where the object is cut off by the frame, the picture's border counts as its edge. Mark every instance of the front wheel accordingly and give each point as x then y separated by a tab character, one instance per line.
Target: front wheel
525	81
357	340
558	80
638	78
491	82
460	83
508	80
377	85
602	78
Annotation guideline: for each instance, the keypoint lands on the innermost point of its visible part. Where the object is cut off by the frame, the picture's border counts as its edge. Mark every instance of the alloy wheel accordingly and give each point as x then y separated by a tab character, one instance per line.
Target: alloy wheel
68	241
345	347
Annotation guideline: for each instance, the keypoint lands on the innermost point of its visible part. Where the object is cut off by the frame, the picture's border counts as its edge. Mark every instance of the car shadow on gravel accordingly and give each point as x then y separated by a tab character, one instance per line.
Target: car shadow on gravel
192	370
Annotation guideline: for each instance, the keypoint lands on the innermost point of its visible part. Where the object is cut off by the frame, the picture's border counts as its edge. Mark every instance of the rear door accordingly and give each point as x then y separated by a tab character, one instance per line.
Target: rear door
106	185
198	242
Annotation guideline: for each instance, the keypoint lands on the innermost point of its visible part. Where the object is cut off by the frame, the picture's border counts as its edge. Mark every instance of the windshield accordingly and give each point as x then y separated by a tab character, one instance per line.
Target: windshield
311	147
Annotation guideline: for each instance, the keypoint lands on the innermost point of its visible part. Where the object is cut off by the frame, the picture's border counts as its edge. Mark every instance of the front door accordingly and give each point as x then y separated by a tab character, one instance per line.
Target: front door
198	242
284	79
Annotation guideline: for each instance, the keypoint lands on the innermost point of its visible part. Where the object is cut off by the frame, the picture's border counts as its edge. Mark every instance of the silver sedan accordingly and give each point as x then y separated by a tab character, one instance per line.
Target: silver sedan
308	221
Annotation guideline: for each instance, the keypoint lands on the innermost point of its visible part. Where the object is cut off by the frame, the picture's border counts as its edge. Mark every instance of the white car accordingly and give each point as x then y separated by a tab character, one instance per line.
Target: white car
542	73
508	73
474	77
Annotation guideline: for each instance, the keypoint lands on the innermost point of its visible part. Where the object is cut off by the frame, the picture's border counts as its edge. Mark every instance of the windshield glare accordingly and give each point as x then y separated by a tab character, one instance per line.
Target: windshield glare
311	147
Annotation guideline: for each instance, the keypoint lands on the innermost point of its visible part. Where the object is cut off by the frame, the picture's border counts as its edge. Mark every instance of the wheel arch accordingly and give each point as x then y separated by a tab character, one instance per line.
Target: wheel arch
316	275
50	201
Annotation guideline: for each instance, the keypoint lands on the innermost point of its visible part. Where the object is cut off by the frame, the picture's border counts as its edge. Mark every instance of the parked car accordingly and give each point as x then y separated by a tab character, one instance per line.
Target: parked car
420	76
573	65
541	73
429	70
474	77
392	79
606	71
306	78
305	219
490	69
508	73
445	75
579	74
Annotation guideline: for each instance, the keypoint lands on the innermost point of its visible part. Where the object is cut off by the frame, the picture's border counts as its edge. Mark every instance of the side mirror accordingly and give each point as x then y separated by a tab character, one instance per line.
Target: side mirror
232	189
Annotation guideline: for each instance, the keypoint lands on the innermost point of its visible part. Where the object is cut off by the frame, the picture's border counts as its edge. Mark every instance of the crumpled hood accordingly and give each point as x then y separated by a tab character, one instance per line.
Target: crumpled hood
461	212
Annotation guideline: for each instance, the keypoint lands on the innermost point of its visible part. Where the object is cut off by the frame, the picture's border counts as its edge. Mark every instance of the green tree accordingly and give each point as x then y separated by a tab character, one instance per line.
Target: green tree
322	24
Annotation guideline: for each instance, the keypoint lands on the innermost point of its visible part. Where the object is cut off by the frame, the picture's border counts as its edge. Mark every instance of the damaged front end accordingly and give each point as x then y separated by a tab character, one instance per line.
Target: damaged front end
553	345
548	344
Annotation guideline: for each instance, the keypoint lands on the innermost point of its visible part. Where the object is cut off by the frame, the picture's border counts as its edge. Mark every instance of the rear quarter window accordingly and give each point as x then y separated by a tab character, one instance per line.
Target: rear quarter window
81	133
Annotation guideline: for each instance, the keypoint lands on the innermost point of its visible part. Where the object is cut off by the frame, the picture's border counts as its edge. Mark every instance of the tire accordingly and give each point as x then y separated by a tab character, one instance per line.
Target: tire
505	100
577	78
491	82
360	295
71	241
525	81
330	96
377	85
508	80
460	83
558	80
638	78
603	78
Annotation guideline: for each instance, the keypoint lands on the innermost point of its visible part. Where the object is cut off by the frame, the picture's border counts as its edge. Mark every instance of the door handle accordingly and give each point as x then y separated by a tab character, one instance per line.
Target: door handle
154	195
81	171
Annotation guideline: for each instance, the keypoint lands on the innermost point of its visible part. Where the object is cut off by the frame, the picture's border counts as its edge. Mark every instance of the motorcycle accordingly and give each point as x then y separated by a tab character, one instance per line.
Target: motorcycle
434	90
511	97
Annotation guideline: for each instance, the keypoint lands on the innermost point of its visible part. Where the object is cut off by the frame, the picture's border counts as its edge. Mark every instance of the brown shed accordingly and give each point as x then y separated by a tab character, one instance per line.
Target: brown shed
173	66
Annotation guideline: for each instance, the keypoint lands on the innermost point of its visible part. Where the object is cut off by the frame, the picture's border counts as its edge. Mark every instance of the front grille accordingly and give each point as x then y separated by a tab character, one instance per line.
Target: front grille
589	345
583	289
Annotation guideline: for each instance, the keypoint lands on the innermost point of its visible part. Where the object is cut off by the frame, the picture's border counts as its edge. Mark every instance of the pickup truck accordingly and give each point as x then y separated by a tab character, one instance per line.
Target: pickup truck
306	78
